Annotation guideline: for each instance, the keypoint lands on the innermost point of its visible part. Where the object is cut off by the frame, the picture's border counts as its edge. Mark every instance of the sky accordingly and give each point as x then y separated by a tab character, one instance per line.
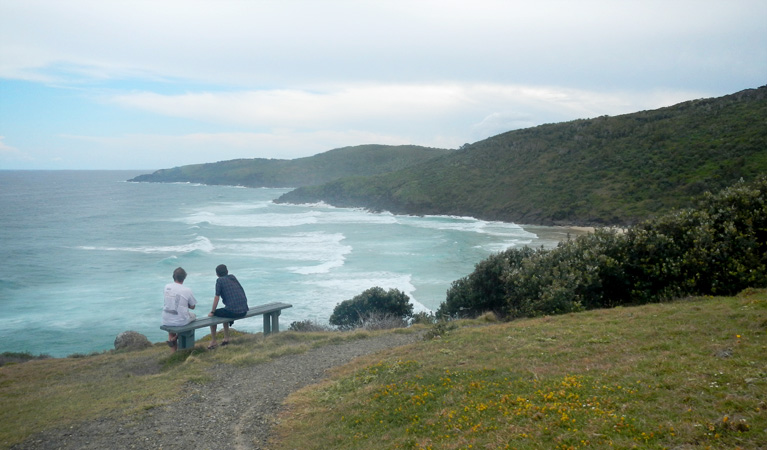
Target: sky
112	84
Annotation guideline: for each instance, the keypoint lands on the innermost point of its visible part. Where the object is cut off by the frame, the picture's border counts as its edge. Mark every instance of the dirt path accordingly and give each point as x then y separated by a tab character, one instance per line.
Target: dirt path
234	411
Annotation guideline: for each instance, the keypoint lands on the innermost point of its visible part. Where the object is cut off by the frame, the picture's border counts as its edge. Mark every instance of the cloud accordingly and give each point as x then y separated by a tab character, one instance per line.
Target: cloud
11	154
419	109
279	44
301	109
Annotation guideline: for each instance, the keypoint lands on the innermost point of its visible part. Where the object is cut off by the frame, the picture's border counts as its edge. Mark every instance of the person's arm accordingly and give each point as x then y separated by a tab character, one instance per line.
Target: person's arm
215	304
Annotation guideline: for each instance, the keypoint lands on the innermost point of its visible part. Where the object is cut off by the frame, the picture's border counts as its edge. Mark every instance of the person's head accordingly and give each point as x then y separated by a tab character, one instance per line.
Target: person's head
179	275
221	270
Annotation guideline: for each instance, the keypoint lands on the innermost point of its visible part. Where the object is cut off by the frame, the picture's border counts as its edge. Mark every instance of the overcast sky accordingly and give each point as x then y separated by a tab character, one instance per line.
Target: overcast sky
111	84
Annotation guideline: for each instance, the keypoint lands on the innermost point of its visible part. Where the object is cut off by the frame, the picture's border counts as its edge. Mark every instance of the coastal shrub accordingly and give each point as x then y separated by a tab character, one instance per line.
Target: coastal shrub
19	357
307	326
718	248
583	273
423	318
440	329
483	290
383	321
370	304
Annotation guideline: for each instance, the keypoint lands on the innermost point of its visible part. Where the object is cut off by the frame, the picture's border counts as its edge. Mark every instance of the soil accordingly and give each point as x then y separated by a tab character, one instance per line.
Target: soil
234	411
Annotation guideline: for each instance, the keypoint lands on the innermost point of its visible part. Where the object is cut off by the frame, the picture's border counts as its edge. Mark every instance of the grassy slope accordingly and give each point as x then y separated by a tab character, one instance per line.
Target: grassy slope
687	374
333	164
665	375
608	170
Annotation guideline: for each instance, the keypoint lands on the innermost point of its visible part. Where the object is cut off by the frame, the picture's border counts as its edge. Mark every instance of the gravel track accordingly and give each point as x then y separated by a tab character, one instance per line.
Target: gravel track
234	411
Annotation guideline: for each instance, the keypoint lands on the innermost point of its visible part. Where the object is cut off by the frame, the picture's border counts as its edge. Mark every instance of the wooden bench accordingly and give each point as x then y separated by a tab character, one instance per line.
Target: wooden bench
270	311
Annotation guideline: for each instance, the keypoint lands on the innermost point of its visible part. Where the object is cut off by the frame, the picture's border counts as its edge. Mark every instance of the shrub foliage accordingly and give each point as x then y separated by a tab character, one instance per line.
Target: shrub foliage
718	248
371	304
308	326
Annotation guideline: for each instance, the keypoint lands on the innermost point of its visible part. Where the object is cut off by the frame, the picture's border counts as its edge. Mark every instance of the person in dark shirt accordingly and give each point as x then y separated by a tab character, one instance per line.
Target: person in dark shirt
230	291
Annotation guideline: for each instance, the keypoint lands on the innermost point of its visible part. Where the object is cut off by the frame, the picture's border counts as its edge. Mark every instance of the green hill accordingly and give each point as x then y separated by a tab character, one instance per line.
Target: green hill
601	171
318	169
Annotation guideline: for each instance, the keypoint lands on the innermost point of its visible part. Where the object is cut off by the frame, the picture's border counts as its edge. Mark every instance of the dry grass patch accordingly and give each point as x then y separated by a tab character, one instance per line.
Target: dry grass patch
61	391
41	394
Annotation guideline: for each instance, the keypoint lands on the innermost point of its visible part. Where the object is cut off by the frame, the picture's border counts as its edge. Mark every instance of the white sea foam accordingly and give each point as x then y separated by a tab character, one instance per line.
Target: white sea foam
358	282
356	216
324	248
230	207
319	204
201	243
505	245
261	220
187	183
319	268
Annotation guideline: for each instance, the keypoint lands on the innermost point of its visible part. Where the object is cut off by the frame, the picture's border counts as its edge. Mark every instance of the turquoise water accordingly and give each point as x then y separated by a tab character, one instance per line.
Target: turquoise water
85	255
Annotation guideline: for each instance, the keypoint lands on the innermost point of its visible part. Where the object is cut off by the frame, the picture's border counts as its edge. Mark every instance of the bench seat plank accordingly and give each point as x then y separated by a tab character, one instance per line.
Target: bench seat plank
270	311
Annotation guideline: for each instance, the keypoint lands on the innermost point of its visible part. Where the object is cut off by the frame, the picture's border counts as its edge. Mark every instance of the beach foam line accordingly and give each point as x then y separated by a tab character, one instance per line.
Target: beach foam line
466	224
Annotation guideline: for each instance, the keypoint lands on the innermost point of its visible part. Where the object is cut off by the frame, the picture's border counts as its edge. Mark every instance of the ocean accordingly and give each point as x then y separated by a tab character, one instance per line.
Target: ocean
85	254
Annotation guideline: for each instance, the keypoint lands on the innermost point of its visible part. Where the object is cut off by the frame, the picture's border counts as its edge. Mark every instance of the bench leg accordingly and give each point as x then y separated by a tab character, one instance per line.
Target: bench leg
272	322
185	340
267	324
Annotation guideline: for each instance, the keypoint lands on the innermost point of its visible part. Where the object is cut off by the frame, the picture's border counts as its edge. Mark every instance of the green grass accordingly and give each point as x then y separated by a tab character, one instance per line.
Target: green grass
688	374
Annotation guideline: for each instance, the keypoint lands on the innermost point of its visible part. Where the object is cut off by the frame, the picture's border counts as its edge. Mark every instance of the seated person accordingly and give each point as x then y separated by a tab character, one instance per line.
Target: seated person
231	292
178	301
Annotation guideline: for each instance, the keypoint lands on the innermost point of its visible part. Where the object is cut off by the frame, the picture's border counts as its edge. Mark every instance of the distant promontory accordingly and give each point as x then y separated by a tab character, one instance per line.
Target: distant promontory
361	160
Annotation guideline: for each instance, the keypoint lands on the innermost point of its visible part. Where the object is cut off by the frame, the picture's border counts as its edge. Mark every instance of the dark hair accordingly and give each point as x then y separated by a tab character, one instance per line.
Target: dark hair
179	275
221	270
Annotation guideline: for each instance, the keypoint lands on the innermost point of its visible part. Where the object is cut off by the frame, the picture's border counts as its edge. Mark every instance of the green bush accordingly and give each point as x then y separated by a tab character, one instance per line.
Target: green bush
584	273
718	248
373	303
483	290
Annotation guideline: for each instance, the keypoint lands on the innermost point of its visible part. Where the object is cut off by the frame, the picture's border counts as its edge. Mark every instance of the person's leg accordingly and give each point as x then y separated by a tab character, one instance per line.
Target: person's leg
226	333
212	336
221	312
173	341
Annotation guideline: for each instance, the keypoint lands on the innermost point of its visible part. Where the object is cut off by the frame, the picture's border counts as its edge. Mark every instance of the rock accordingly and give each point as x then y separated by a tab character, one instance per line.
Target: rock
724	353
131	340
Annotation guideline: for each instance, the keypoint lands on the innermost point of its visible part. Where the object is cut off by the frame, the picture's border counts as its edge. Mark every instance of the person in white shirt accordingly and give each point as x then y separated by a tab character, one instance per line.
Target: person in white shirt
179	299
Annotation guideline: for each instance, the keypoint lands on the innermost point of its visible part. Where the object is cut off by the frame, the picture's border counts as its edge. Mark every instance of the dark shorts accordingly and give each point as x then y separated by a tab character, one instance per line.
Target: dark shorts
223	312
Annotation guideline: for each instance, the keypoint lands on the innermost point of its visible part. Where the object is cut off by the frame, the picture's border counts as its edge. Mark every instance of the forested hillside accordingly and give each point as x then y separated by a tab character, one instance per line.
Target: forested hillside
606	170
317	169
